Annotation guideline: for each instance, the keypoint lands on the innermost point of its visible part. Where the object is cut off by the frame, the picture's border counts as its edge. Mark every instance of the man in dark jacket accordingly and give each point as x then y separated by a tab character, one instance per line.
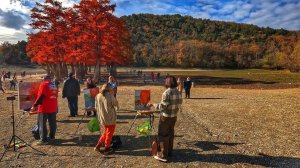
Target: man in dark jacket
46	105
187	87
71	90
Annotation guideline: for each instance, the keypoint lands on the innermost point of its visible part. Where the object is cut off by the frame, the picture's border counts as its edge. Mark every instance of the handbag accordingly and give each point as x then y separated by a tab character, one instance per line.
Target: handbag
35	132
154	146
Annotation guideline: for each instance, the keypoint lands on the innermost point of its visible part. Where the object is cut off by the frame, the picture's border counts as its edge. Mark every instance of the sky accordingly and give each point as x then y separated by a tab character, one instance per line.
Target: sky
15	14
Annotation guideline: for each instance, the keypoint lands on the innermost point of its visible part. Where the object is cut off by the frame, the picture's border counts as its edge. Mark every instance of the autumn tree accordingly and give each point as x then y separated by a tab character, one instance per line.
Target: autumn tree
84	35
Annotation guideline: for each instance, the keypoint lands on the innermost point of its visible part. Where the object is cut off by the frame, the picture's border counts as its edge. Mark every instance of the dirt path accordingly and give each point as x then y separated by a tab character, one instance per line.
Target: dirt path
217	128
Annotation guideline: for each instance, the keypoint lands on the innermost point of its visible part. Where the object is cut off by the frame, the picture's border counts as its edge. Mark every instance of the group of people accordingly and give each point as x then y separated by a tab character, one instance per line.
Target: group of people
46	105
7	75
106	106
186	85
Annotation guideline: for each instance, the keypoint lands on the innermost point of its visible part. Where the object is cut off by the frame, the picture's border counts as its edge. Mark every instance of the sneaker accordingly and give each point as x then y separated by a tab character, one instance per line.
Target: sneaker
40	142
97	149
107	151
160	158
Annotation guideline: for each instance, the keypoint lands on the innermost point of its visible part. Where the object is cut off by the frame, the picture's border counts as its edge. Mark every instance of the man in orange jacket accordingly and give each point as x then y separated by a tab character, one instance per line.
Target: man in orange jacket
46	105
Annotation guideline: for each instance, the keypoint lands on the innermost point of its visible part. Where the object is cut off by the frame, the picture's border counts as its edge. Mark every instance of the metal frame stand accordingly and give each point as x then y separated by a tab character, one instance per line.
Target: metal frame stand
151	120
14	137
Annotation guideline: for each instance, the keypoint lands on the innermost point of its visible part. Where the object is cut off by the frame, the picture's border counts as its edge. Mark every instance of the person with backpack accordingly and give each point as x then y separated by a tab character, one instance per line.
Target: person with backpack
71	91
106	106
46	106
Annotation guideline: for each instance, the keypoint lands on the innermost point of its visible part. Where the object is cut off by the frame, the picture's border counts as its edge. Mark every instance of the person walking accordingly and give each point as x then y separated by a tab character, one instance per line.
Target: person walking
1	85
152	76
158	76
46	106
113	84
179	86
169	107
187	87
106	106
71	91
13	83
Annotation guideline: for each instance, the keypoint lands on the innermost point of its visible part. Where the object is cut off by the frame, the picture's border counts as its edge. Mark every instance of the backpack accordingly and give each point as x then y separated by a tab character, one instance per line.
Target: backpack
35	132
116	142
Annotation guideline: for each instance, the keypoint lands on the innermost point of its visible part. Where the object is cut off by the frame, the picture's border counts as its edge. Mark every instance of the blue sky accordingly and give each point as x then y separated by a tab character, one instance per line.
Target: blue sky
15	17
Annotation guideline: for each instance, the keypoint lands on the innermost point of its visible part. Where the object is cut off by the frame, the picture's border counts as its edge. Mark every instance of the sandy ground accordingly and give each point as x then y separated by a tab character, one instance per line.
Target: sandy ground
218	127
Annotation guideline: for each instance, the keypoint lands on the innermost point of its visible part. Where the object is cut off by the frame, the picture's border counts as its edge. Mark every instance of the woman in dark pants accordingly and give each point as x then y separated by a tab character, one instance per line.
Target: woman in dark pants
169	106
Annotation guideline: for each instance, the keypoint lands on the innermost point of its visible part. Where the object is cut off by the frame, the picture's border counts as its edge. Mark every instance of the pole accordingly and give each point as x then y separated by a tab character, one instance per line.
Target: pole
13	118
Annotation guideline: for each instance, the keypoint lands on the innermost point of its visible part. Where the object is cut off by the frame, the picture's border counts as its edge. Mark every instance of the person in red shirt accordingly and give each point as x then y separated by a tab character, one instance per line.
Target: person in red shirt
46	106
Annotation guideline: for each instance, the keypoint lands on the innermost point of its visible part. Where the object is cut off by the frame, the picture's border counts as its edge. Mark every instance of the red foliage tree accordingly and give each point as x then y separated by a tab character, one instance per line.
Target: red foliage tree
87	34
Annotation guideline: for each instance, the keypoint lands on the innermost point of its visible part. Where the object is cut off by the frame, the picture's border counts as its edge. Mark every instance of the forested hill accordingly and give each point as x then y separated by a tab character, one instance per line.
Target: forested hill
183	41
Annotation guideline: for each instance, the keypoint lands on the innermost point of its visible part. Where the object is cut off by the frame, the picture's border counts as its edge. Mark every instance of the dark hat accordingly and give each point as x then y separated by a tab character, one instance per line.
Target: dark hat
47	77
70	74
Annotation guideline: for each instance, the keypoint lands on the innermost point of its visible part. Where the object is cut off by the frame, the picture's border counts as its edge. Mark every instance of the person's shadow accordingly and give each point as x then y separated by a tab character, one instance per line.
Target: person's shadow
192	155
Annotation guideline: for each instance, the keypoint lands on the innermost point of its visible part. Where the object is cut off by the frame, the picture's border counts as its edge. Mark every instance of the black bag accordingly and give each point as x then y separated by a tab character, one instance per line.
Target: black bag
116	142
35	132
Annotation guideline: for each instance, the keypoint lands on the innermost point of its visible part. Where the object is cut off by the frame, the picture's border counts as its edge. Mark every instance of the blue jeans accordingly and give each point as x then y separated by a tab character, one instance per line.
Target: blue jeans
73	105
42	119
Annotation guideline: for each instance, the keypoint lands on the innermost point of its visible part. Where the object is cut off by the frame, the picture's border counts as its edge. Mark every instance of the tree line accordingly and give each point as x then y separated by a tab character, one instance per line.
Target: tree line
153	40
184	41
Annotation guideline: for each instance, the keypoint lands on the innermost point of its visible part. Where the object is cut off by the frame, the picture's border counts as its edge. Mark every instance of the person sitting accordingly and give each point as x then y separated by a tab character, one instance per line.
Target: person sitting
91	85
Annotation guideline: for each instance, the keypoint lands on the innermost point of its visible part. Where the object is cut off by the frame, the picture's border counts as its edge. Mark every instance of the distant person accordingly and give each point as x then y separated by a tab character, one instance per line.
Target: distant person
187	87
106	105
56	83
167	75
152	76
158	76
90	85
179	86
1	85
113	84
8	74
169	107
71	91
46	105
144	77
15	75
13	84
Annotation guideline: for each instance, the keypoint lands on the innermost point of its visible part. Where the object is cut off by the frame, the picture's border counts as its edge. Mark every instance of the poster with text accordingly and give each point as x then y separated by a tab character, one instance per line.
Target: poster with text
89	97
141	99
27	94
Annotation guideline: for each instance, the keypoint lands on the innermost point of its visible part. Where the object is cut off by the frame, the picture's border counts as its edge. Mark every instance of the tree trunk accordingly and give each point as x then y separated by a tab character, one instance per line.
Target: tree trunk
72	68
113	70
89	69
85	69
96	77
78	72
48	69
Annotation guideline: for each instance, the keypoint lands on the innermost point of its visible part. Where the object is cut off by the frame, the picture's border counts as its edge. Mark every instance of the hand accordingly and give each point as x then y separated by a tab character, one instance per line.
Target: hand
33	109
149	105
